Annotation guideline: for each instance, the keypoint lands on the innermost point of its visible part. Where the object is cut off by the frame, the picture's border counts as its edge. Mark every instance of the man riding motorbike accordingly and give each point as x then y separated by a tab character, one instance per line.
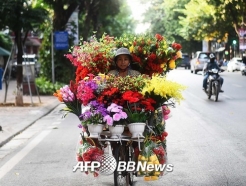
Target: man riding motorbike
211	64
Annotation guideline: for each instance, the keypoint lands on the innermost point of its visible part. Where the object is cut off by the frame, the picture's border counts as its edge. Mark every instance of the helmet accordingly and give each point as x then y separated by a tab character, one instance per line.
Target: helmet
121	51
211	56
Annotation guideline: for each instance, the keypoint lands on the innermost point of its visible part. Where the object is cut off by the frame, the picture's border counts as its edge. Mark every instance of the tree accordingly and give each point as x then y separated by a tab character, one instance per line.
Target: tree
21	17
164	19
94	15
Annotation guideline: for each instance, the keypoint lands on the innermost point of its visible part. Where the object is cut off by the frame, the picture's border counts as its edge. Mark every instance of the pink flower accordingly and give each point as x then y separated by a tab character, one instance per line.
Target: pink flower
108	120
117	117
165	117
113	105
123	115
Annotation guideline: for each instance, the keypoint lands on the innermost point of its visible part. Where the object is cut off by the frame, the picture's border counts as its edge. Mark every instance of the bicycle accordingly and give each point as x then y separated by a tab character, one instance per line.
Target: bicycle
122	150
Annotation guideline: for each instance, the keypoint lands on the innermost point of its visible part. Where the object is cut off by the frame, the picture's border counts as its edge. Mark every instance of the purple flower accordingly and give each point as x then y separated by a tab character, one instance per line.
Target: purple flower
86	115
94	103
92	84
98	108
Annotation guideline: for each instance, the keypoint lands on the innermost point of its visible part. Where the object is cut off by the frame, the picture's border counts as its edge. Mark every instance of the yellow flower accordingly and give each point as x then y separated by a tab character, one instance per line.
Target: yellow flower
85	78
172	64
160	89
103	76
179	54
131	48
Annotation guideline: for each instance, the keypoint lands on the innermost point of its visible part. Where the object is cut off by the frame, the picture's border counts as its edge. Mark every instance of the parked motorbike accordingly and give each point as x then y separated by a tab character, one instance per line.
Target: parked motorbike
213	84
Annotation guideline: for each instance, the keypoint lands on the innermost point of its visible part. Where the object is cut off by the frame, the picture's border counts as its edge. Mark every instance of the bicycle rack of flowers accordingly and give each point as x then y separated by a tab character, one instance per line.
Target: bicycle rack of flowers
113	101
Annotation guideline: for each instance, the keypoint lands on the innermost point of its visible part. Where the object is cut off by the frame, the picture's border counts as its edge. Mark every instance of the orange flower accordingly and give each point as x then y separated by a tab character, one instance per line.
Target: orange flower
58	95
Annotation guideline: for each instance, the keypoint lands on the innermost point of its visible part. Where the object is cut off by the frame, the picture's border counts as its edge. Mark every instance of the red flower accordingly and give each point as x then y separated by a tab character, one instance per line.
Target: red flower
148	103
159	37
132	97
81	73
176	46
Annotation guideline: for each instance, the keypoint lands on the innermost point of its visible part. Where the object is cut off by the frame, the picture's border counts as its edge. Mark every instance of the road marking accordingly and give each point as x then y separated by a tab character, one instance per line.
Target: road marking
56	123
225	96
21	154
193	95
236	85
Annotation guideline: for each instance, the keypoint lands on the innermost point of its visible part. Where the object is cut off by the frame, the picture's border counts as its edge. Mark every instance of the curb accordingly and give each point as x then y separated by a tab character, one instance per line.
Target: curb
45	110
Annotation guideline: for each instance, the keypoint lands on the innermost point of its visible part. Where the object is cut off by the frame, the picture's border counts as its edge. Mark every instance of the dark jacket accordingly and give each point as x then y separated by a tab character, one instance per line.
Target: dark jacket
209	66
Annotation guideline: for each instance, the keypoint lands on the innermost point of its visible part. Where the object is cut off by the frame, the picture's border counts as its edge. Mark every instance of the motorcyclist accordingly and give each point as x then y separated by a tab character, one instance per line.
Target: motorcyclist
211	64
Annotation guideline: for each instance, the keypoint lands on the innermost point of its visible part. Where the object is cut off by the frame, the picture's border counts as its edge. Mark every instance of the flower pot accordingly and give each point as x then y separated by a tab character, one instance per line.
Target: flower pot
136	129
95	130
116	131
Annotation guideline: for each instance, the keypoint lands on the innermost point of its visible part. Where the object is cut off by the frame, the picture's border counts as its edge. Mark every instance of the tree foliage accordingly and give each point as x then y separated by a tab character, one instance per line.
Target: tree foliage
21	17
189	21
94	16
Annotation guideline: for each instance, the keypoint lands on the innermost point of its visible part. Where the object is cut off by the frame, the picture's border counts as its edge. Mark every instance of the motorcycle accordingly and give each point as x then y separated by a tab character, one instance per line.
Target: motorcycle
213	84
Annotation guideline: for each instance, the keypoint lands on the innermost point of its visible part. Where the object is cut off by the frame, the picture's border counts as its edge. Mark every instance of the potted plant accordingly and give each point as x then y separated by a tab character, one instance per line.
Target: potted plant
115	119
93	118
138	110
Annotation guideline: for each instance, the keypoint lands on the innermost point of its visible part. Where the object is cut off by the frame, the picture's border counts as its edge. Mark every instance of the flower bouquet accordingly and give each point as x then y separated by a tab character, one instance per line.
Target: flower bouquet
88	152
68	96
137	107
93	57
151	54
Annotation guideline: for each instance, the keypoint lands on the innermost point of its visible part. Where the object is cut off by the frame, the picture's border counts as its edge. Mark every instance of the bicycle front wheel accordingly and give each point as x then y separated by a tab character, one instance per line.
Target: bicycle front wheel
120	176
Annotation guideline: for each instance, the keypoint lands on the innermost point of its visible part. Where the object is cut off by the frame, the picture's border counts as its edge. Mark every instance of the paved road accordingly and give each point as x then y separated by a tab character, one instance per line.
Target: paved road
205	143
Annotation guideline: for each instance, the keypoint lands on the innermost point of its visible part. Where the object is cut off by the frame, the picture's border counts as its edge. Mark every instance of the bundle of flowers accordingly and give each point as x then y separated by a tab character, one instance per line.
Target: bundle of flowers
123	84
88	152
161	90
68	96
138	96
151	54
152	154
92	57
138	107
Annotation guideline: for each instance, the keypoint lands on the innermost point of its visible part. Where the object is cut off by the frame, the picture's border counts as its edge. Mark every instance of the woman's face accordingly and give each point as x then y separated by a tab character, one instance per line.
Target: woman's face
123	61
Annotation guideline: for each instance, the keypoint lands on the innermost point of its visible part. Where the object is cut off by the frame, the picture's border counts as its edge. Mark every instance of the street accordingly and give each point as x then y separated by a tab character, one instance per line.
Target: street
205	143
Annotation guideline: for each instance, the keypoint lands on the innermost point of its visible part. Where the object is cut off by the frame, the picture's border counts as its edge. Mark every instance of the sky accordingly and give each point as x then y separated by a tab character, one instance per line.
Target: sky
138	9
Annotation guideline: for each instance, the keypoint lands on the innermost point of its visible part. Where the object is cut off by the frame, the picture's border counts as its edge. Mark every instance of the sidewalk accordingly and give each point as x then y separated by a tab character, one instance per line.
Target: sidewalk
14	120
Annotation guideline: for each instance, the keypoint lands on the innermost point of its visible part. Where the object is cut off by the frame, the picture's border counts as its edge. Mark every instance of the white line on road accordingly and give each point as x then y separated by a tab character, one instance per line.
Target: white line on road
20	155
224	95
56	123
236	85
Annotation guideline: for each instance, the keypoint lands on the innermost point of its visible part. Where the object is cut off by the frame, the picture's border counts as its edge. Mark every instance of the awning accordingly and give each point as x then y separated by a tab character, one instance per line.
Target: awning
220	49
4	52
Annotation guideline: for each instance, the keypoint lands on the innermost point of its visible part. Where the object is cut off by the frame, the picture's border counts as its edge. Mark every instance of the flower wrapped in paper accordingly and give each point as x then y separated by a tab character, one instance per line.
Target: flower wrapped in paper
88	152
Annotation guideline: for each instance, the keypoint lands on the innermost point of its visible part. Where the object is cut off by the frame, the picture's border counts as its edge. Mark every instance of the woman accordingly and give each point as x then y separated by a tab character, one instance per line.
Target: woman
123	61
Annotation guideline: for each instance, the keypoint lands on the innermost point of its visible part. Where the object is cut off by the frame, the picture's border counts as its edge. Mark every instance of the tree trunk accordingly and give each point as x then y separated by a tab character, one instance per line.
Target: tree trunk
19	75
